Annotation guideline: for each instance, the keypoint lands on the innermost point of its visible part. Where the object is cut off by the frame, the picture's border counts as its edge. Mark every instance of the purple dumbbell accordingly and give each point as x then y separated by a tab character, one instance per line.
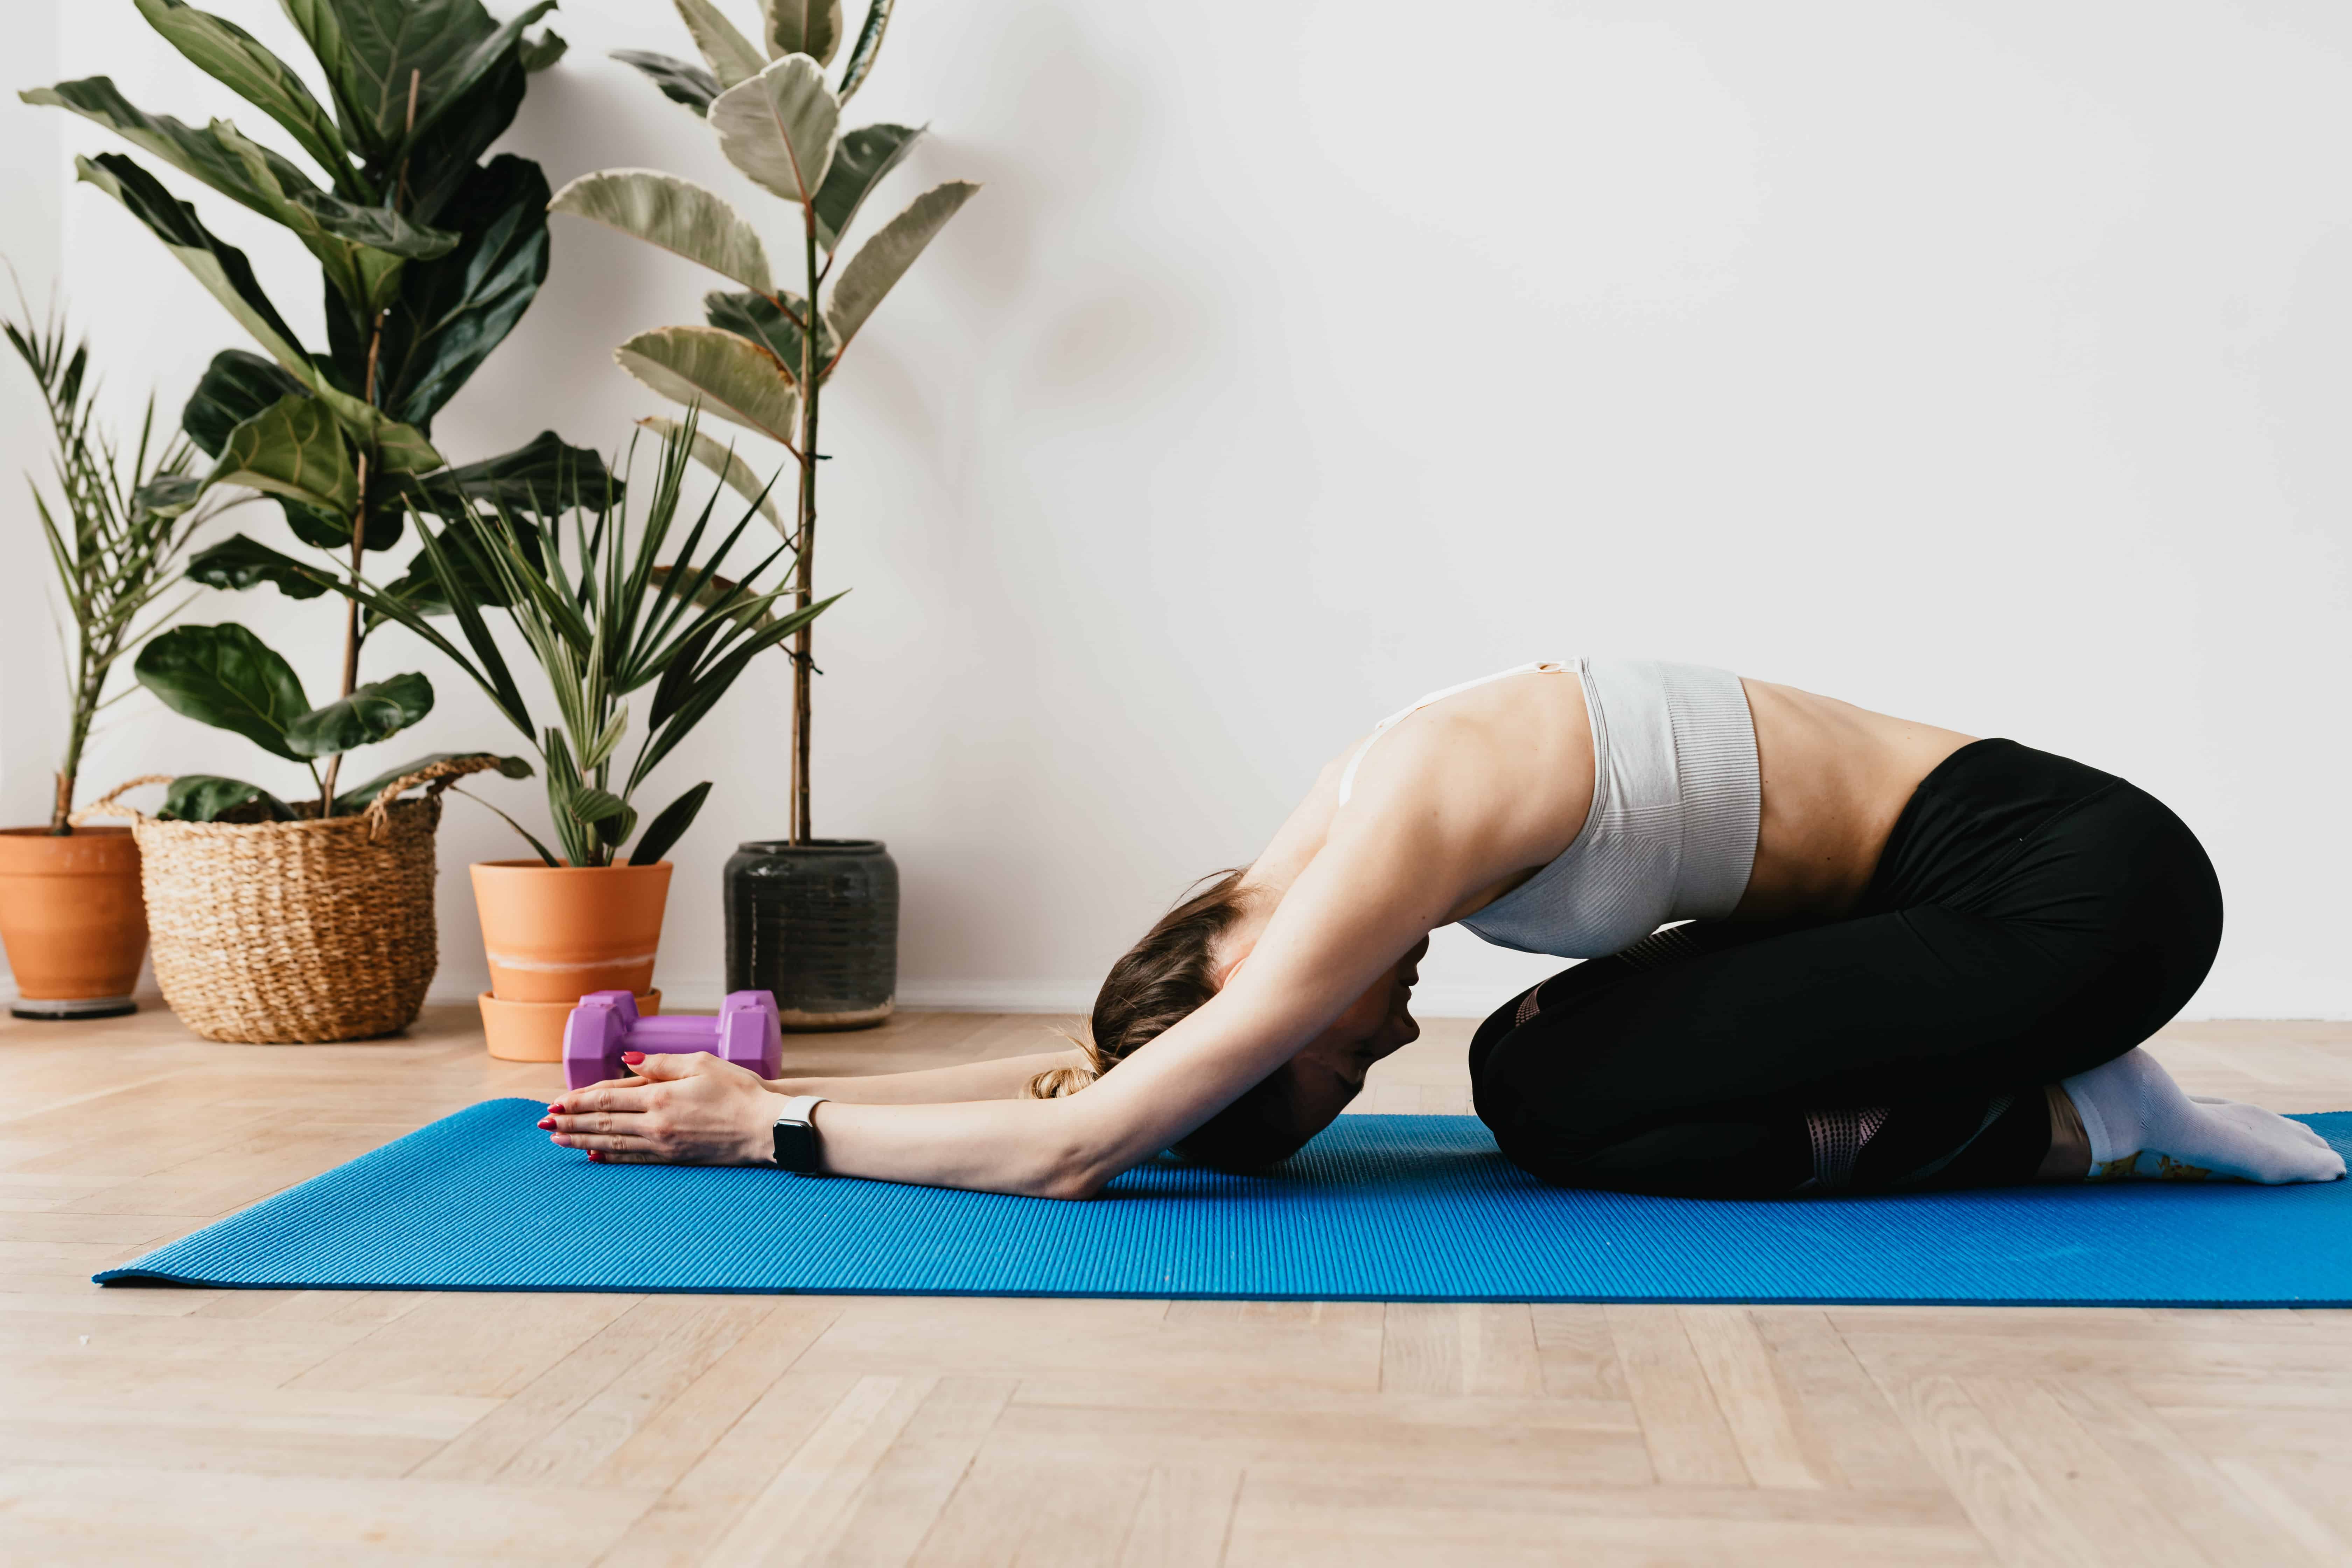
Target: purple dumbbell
605	1024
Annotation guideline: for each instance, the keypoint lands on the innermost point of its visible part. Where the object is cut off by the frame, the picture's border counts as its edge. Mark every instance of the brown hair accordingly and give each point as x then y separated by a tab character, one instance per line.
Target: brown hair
1160	981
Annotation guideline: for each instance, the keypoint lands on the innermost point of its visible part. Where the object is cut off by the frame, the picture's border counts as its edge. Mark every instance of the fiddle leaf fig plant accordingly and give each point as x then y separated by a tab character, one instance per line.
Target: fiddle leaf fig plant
428	256
763	353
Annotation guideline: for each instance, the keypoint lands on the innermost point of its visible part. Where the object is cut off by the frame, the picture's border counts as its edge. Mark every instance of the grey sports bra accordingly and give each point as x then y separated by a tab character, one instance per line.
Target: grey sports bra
1675	804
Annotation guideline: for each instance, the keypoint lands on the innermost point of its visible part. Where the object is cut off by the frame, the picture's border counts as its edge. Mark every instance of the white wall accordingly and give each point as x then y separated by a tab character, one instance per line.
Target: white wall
1986	363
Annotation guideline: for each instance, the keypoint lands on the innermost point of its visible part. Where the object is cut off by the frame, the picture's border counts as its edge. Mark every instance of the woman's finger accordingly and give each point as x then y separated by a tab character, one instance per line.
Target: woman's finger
601	1097
603	1122
628	1081
686	1064
606	1142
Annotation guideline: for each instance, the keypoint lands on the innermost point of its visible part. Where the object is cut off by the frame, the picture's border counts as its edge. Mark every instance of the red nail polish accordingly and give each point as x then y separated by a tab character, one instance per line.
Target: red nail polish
595	1156
633	1057
547	1123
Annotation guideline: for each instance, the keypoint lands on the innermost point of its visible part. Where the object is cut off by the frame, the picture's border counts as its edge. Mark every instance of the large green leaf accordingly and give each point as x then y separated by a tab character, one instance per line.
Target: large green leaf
677	215
720	459
372	49
237	562
372	712
225	676
664	829
868	45
220	266
293	449
452	313
235	57
234	388
778	127
732	57
859	162
445	157
503	45
538	54
402	448
237	386
681	81
882	260
760	318
224	272
811	27
543	476
208	797
360	247
730	376
356	798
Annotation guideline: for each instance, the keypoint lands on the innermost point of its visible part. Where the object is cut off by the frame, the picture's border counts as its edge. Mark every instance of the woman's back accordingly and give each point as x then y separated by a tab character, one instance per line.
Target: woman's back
1723	820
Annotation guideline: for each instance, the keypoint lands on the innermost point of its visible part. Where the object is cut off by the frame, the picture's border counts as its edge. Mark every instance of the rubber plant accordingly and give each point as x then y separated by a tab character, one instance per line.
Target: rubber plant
428	256
116	557
763	354
604	621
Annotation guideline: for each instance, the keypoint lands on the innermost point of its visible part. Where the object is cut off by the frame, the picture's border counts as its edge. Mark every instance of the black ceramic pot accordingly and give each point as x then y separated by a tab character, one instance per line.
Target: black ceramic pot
817	925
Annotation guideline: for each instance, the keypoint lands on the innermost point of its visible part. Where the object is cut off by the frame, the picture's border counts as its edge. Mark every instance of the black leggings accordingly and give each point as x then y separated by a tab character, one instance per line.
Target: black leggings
2030	919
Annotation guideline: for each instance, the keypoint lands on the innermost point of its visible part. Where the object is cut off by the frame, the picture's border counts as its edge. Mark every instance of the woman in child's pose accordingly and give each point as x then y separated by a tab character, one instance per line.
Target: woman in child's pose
1912	960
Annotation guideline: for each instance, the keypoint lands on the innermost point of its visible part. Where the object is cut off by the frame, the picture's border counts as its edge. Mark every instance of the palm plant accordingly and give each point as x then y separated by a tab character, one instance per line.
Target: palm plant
605	623
428	256
765	354
116	556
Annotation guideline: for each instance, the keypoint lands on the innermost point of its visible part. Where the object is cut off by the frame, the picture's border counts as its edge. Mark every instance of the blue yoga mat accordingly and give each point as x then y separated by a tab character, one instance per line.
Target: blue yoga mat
1402	1208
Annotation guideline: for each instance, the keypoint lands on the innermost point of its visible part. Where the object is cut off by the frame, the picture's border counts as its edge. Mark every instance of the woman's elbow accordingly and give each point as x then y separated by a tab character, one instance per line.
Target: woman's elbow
1077	1166
1072	1187
1075	1173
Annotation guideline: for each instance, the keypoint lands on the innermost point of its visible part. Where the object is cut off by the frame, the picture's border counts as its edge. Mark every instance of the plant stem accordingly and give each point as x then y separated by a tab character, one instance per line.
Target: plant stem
85	709
805	546
360	518
359	563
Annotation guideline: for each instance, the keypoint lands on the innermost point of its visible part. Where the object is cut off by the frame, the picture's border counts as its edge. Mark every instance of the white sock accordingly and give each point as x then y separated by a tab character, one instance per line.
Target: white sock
2141	1125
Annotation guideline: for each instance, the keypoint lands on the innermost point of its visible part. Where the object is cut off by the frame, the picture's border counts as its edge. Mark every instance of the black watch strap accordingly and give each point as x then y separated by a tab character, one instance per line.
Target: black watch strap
796	1134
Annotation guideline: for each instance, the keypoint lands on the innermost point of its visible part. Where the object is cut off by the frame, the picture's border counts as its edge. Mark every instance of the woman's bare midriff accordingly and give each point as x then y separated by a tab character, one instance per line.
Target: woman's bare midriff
1835	777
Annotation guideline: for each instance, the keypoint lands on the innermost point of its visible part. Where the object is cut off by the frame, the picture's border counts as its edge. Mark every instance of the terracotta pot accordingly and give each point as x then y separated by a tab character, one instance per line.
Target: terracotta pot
71	916
554	933
533	1031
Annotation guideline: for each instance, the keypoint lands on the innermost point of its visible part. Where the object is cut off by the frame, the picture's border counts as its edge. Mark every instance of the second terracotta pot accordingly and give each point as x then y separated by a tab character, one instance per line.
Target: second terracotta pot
73	920
553	933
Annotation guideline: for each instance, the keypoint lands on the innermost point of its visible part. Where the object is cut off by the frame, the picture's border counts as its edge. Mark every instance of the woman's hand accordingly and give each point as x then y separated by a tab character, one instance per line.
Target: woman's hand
680	1110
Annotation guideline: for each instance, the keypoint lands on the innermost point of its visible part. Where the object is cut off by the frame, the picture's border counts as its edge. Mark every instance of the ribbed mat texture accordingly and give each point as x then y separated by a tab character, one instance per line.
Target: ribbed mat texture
1400	1208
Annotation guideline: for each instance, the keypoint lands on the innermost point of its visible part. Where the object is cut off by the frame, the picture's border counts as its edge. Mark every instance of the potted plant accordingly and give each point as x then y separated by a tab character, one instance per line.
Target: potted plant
814	920
604	619
69	907
428	256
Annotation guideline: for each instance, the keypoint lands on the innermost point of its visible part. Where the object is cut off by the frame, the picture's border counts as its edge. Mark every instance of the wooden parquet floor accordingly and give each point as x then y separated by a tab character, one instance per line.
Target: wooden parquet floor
166	1426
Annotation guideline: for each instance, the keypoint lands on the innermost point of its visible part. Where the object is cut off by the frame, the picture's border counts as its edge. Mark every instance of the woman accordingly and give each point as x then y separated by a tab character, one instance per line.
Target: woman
1915	960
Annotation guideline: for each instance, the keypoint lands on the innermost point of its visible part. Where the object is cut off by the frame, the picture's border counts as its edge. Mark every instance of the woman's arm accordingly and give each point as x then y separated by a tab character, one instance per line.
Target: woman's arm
1374	892
1004	1079
1417	837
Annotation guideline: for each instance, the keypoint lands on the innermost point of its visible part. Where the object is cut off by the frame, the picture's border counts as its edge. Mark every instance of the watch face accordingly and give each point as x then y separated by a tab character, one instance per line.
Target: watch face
797	1146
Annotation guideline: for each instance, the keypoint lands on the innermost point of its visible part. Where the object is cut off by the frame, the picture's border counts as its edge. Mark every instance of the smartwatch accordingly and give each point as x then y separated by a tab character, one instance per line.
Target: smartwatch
796	1134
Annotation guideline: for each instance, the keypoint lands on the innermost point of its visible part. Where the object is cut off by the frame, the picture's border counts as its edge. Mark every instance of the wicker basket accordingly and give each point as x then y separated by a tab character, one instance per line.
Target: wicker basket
295	932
